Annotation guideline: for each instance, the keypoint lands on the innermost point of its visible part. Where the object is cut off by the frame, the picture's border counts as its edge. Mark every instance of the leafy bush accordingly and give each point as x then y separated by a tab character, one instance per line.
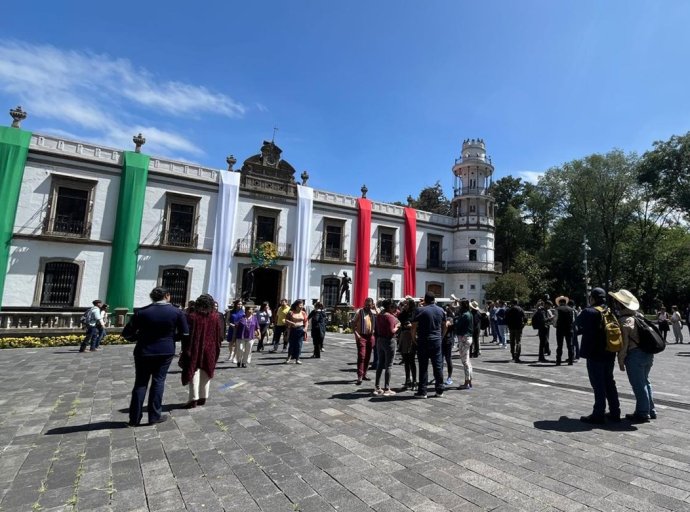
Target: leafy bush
57	341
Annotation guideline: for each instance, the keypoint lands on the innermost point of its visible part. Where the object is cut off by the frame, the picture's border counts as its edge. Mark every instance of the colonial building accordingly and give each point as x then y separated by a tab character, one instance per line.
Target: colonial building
80	222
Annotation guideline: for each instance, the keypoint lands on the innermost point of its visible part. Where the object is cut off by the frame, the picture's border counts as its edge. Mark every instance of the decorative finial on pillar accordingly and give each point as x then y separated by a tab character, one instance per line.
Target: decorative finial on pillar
231	160
139	141
364	190
410	201
18	115
305	177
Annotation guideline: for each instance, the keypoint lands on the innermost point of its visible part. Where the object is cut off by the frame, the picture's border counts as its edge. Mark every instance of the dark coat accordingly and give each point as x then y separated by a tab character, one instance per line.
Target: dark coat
591	326
155	328
515	317
201	350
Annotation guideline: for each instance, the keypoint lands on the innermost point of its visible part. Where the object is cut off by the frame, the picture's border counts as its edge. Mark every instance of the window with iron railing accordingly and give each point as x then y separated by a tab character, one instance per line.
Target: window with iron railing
385	289
69	207
176	281
434	252
386	247
333	240
331	287
60	280
180	222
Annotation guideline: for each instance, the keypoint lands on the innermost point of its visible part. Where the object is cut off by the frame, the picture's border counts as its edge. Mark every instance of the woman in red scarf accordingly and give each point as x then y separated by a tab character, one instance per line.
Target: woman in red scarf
200	353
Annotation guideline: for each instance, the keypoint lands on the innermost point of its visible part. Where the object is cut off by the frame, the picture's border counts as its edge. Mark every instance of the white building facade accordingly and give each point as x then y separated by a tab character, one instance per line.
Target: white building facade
61	246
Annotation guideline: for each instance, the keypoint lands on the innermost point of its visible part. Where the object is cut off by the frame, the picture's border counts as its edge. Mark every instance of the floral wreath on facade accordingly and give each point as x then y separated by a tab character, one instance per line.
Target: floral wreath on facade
265	254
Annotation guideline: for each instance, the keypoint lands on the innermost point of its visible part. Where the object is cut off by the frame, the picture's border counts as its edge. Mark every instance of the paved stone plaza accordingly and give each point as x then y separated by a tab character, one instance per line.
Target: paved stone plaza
277	437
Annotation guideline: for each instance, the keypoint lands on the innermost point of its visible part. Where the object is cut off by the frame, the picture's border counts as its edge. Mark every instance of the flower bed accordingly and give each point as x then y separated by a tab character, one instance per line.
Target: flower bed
57	341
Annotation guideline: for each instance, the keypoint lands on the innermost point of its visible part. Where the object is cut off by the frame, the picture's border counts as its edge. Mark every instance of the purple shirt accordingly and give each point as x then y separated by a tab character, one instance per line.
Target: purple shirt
247	327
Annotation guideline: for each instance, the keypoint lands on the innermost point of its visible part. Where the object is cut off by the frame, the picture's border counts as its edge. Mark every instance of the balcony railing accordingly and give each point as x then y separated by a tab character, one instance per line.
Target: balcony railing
474	266
63	225
246	247
435	263
46	323
475	191
180	238
334	253
387	259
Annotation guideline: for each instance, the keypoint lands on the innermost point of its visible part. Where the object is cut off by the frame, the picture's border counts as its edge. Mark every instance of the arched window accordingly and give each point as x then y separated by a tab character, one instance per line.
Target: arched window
59	283
331	287
176	281
385	289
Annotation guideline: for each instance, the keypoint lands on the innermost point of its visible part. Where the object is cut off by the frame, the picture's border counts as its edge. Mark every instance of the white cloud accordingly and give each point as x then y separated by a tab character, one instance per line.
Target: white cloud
100	95
261	107
530	176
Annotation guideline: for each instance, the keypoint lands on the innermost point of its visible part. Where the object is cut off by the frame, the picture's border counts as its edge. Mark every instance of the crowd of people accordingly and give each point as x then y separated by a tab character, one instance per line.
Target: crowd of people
421	332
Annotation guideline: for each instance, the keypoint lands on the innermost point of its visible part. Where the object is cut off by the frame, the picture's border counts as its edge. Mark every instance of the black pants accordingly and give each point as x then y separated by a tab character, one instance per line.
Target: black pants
566	335
430	351
447	349
474	350
154	368
544	342
263	329
385	347
317	339
410	368
600	372
515	343
278	331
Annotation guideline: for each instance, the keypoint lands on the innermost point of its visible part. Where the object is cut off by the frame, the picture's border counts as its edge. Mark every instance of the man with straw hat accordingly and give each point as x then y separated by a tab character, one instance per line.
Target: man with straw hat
564	319
633	360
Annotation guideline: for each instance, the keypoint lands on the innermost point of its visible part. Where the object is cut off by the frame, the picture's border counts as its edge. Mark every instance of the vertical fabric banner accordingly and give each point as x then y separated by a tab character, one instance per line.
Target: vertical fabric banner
125	250
14	148
224	236
302	256
362	258
410	266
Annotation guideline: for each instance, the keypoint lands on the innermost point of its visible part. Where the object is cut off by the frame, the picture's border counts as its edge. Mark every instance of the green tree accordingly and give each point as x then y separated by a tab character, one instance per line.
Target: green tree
432	199
666	168
509	286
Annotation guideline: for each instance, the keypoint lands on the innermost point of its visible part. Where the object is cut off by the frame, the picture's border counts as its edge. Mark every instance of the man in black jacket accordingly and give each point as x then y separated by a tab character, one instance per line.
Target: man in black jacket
565	316
600	362
155	328
515	320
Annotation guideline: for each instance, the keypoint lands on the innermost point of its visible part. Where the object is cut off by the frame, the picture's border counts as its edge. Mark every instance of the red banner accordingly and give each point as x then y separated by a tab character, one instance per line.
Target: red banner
362	257
410	268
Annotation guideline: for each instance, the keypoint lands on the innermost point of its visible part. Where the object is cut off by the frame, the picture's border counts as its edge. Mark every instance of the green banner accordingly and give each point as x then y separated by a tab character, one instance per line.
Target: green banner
14	148
125	250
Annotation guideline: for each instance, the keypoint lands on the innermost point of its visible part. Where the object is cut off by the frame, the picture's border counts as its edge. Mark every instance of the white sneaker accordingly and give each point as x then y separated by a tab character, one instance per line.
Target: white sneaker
388	392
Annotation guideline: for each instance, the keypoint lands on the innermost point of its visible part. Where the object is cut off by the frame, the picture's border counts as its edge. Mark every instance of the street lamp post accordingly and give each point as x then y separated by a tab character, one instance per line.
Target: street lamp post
585	248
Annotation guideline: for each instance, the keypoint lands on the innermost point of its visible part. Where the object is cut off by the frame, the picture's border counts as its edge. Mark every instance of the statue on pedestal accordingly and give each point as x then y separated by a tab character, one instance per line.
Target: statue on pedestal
345	282
248	285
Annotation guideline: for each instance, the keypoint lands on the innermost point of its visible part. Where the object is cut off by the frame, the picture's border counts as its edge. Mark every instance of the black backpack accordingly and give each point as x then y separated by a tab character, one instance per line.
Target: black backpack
649	336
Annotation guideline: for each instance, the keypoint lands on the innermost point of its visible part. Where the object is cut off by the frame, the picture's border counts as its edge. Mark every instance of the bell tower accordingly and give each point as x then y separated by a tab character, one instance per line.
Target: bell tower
473	207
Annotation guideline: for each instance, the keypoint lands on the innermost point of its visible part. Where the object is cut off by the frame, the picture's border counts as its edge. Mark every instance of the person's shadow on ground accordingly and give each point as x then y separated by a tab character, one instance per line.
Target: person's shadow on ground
89	427
565	424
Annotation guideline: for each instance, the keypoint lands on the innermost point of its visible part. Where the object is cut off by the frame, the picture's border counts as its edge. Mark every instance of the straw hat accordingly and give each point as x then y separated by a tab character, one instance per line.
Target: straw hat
474	304
626	298
562	297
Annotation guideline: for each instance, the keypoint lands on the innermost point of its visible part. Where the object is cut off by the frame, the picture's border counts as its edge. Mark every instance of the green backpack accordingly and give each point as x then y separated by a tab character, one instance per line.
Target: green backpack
614	337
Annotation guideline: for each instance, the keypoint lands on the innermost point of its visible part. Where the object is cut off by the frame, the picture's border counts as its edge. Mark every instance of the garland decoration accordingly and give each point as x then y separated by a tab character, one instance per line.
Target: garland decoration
265	254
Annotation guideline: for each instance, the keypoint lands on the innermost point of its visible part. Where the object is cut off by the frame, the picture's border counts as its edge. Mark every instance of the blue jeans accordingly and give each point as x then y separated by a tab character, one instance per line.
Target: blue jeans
99	337
494	330
600	372
501	330
295	342
576	345
90	339
638	365
430	350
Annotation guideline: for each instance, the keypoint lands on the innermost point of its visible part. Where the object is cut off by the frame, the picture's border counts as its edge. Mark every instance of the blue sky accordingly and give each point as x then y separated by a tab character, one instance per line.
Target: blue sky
380	92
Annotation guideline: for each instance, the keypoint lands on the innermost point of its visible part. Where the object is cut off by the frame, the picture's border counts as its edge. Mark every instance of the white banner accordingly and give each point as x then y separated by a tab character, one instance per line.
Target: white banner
302	258
224	241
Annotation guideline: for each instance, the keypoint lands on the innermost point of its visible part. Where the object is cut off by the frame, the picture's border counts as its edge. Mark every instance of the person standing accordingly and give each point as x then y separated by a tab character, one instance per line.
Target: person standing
155	328
103	324
463	327
447	345
540	322
633	360
363	325
515	321
94	322
296	322
662	319
476	328
492	309
575	333
200	352
387	326
600	362
429	326
564	329
408	344
264	316
677	324
279	327
246	333
236	314
501	323
318	328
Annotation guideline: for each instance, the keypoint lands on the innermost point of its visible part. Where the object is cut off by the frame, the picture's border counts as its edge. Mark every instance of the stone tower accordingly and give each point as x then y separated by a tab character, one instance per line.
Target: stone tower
473	207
